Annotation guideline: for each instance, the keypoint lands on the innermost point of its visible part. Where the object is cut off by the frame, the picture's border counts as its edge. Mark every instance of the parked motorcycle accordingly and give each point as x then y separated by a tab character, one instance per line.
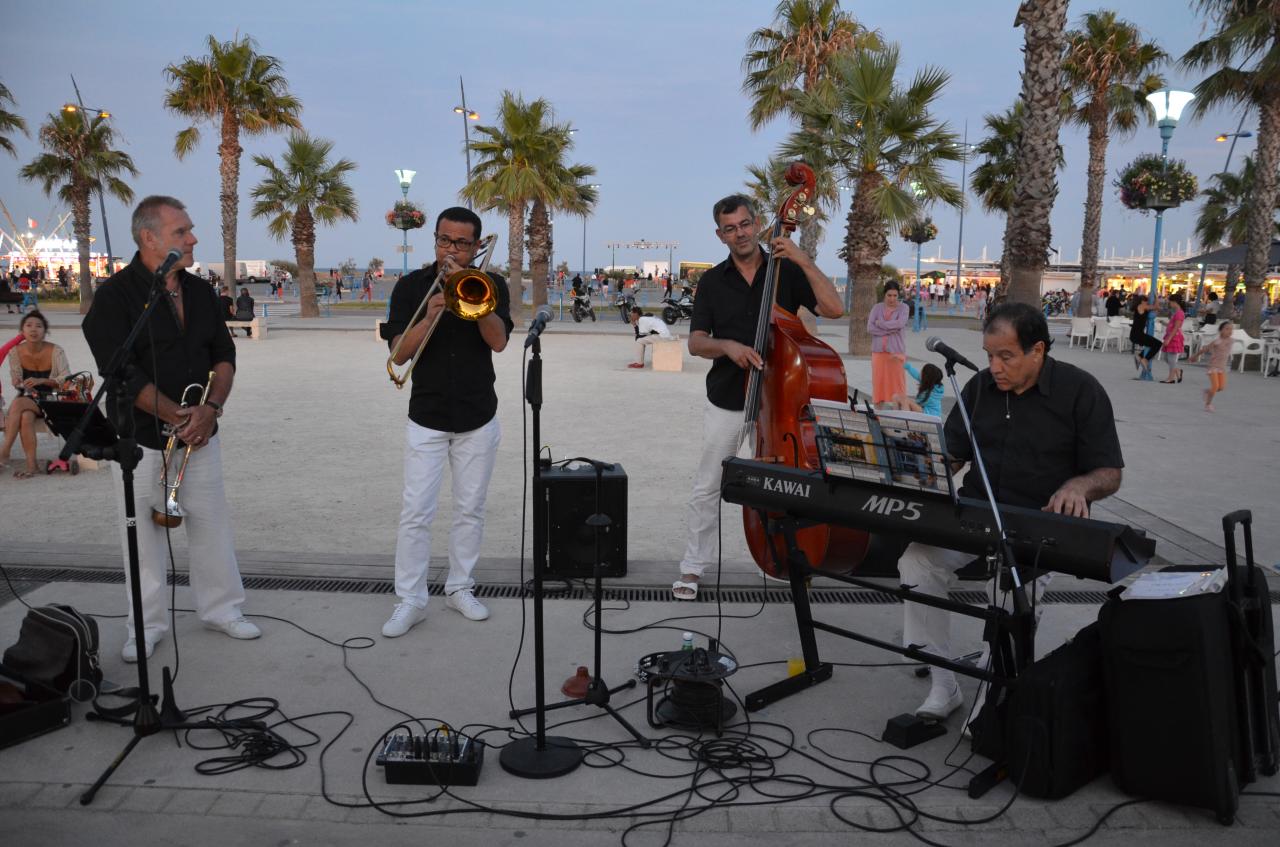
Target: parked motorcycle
581	307
673	309
624	301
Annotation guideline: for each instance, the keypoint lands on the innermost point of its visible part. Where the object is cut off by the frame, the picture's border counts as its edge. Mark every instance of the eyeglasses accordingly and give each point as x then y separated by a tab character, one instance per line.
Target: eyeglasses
444	242
733	229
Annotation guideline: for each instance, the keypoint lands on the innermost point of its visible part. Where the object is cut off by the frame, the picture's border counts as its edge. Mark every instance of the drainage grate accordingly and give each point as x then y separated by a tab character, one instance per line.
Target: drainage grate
554	590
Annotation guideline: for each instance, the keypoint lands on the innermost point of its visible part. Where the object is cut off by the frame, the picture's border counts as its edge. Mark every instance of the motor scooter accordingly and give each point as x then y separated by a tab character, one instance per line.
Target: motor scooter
624	301
581	307
673	309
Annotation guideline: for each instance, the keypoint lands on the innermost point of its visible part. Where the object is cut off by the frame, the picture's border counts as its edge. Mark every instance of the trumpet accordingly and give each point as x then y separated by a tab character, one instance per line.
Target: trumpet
469	293
172	515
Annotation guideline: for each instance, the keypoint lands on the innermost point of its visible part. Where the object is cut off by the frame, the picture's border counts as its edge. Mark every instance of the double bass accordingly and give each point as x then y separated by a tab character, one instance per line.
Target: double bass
797	367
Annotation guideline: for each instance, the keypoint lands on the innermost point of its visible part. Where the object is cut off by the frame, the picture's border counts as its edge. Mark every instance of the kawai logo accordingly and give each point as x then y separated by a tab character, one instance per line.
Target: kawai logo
786	486
891	506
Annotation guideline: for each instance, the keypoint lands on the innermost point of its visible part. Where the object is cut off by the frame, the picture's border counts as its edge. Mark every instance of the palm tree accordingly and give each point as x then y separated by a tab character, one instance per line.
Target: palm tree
1249	28
1223	219
520	160
881	136
1109	71
79	161
9	122
992	180
570	191
1035	184
240	91
795	56
305	189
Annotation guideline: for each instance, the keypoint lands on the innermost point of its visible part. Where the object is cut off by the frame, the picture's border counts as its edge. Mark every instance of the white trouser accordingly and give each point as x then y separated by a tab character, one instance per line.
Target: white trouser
214	574
931	570
643	342
722	435
471	456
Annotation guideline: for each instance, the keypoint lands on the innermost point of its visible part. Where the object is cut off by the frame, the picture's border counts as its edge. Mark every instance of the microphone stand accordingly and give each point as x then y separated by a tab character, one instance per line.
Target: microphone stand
539	756
147	720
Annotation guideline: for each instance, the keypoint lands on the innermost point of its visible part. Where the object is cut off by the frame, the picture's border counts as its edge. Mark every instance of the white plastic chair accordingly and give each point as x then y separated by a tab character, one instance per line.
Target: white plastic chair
1244	346
1271	358
1108	333
1081	328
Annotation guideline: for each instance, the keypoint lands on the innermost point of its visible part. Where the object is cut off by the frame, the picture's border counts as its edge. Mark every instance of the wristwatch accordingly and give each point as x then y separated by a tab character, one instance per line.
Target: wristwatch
217	407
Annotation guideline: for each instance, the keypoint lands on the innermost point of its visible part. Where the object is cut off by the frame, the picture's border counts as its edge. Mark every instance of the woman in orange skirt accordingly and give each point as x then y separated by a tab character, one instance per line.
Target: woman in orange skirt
886	323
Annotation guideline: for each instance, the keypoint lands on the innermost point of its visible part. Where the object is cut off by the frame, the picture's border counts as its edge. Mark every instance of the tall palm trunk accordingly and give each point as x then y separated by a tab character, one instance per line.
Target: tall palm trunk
304	247
229	153
1097	175
1227	310
1260	222
539	252
80	225
1035	184
515	259
1001	291
866	245
810	238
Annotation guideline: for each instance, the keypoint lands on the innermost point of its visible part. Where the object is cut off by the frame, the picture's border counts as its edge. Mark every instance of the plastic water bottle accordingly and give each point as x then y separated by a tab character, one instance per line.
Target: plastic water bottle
687	641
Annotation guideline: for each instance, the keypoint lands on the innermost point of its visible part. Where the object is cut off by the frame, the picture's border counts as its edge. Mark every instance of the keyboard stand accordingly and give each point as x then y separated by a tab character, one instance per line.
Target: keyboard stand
1009	634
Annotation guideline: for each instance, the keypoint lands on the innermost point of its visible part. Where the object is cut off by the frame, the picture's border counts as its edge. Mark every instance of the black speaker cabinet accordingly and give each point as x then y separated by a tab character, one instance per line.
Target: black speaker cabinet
571	499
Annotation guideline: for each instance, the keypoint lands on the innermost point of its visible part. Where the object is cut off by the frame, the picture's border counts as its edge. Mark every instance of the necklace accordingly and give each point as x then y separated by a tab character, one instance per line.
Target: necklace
1006	405
174	293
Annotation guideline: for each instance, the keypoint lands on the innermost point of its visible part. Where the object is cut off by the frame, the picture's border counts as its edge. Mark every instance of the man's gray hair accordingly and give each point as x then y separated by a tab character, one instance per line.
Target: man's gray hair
147	215
732	203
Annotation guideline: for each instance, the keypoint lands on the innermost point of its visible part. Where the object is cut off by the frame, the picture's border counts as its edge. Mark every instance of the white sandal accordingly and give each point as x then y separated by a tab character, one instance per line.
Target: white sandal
683	585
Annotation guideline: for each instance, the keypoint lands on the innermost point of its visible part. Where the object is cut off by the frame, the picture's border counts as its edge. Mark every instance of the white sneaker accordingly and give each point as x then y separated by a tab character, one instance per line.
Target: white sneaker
405	617
465	602
236	628
944	698
130	651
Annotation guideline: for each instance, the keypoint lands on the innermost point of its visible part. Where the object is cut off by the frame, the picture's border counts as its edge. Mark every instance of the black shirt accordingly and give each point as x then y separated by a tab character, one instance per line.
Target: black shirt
726	307
452	387
1113	306
1060	428
165	354
228	306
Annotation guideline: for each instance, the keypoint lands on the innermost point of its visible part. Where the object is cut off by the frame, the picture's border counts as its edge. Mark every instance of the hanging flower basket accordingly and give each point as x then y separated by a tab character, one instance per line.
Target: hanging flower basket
919	231
406	216
1151	183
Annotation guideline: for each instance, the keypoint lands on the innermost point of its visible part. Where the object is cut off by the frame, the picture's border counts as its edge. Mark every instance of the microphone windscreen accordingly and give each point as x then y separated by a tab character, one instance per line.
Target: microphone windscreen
932	343
544	313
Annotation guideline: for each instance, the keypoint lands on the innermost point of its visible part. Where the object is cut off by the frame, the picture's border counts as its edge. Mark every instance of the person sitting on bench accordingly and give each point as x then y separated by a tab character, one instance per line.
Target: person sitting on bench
244	310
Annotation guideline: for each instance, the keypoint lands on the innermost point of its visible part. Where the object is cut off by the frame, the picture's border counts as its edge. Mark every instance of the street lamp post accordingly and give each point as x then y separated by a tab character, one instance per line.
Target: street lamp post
920	321
102	204
467	115
1226	168
1168	104
406	178
584	231
964	171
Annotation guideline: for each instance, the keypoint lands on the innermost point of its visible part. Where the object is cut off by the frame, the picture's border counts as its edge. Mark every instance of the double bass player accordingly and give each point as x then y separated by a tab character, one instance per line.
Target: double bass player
722	329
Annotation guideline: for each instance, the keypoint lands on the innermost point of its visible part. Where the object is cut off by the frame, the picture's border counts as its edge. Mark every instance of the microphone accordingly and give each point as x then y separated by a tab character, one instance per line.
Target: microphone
937	345
539	324
170	260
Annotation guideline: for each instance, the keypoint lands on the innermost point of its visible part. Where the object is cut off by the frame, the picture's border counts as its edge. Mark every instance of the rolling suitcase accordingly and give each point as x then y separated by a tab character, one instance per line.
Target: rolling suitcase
1259	712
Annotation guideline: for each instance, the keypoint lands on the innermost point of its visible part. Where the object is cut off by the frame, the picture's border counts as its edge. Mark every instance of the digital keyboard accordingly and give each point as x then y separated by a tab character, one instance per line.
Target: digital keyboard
1081	547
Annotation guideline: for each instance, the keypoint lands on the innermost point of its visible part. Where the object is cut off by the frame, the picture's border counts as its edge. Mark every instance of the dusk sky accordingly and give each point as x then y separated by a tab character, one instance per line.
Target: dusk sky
653	87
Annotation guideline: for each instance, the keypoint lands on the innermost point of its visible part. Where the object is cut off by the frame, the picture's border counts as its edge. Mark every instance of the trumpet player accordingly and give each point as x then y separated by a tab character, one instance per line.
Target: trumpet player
185	342
452	419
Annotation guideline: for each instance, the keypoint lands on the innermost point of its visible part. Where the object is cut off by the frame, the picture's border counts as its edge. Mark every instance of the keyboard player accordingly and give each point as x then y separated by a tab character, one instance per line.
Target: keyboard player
1048	439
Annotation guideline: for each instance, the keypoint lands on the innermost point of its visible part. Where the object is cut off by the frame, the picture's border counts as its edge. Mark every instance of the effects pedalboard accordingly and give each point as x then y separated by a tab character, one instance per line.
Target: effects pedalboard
438	758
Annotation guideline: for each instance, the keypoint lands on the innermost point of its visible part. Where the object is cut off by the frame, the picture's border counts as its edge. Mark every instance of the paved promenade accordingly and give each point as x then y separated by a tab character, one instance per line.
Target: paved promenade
312	440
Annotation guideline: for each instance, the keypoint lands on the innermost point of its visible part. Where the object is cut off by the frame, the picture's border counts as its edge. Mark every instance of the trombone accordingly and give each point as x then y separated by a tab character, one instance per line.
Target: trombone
469	293
172	515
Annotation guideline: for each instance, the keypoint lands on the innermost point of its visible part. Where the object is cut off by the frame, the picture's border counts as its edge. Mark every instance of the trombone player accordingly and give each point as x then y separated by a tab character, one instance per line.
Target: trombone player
186	345
452	418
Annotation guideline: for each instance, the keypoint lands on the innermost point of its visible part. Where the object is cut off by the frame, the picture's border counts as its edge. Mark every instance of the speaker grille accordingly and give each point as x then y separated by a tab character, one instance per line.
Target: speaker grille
571	498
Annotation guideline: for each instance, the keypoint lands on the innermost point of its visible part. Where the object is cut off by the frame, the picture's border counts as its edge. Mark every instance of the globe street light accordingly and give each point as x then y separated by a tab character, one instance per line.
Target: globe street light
1168	104
406	178
920	321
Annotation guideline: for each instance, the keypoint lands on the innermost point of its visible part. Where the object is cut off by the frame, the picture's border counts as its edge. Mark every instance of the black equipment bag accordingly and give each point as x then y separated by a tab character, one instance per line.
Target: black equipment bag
1050	727
1255	647
58	646
1170	669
